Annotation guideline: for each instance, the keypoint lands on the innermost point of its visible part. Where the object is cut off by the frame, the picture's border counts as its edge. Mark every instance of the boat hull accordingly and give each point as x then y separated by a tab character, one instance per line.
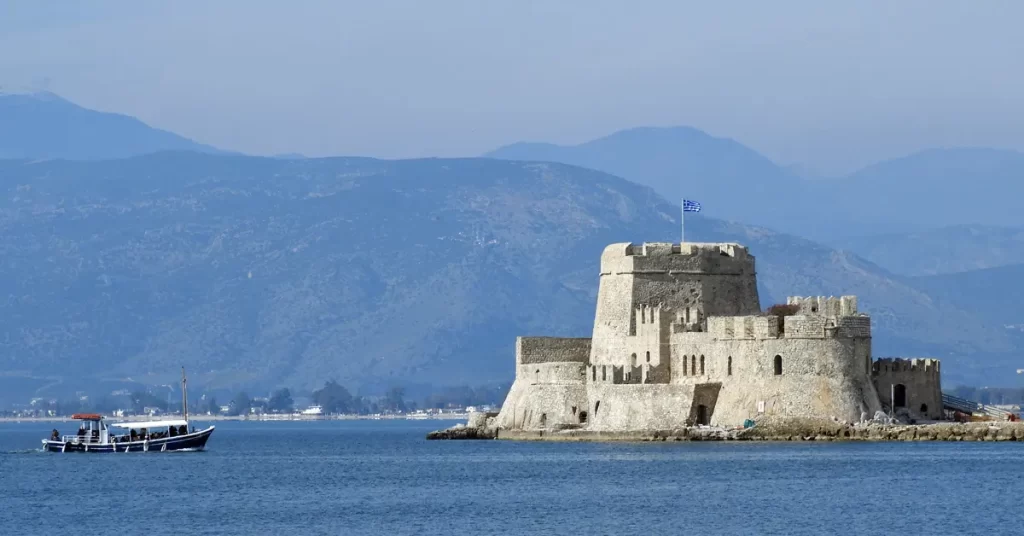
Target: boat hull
193	441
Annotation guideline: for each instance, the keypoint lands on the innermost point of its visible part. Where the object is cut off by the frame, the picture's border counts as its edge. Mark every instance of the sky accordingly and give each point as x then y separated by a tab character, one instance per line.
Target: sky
827	87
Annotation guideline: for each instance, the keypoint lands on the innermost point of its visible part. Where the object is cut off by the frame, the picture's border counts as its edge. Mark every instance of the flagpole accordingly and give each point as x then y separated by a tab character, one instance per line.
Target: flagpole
682	221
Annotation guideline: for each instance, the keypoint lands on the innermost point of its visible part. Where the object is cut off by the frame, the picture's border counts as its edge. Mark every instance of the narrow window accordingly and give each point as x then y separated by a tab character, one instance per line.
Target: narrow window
596	406
604	374
684	365
583	417
701	365
632	360
648	357
693	365
594	370
729	368
778	365
924	409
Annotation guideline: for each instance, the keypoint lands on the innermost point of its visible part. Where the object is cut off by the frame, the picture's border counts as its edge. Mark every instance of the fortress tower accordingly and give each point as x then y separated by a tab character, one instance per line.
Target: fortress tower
688	282
679	339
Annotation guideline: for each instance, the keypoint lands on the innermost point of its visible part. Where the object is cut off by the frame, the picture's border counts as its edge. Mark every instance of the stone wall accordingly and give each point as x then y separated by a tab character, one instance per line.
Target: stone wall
638	407
552	350
549	390
921	385
819	377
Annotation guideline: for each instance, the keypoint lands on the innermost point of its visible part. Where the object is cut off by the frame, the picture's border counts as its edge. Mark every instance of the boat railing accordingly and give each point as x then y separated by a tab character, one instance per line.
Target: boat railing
80	439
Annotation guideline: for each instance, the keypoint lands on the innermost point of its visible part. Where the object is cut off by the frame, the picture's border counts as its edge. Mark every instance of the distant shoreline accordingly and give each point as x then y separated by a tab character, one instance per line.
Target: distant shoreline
255	418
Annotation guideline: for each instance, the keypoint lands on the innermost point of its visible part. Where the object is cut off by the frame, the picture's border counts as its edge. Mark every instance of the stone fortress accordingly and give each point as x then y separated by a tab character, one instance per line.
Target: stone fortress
680	340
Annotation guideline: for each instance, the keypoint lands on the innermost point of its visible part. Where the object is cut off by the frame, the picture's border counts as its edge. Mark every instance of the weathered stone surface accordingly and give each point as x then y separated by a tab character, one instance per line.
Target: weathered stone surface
679	340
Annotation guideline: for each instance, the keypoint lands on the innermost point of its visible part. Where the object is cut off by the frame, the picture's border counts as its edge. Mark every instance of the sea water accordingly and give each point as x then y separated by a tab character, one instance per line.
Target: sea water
383	477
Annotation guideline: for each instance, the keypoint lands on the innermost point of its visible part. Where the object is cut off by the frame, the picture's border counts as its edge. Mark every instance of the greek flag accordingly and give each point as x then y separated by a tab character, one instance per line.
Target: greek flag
690	206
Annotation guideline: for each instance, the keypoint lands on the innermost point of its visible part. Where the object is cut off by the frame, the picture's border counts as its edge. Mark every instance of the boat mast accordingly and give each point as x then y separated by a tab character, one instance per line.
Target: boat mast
184	395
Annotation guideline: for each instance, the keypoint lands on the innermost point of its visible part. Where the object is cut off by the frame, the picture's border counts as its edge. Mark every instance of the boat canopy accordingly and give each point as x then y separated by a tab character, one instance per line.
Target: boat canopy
87	416
149	424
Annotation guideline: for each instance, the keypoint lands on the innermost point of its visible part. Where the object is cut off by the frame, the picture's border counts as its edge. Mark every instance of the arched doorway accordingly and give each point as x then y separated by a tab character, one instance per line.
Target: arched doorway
899	396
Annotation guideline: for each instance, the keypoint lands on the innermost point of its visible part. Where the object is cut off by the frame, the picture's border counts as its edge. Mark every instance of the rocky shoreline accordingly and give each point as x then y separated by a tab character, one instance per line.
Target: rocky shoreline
481	427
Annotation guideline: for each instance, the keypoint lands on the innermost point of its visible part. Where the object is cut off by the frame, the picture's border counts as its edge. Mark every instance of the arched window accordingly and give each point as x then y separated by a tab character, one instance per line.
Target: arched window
648	357
702	365
693	365
583	417
729	367
632	360
778	365
604	374
684	365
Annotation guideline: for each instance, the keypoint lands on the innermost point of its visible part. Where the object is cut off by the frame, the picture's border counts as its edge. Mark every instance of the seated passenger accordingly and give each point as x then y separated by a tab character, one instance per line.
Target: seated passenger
55	435
182	430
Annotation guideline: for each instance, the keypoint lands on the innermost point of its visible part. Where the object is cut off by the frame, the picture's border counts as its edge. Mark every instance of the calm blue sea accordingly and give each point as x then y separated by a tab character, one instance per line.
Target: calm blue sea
382	477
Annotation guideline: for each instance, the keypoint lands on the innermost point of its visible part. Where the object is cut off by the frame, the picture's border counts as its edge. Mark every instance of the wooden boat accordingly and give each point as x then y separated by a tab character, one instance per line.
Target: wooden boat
95	435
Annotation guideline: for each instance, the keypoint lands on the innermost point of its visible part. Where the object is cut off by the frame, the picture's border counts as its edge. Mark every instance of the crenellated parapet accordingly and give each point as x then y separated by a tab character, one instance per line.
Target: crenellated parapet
744	327
669	258
828	306
899	364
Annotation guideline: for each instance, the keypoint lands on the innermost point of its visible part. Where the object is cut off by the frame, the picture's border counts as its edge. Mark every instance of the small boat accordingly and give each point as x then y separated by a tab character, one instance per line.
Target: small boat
95	435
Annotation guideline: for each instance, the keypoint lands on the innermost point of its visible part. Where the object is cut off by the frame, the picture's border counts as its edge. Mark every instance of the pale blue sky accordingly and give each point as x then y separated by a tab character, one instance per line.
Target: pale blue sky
826	85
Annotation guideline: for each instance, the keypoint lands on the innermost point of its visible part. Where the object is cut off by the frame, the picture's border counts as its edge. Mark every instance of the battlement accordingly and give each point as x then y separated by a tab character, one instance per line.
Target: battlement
685	258
744	327
897	364
820	305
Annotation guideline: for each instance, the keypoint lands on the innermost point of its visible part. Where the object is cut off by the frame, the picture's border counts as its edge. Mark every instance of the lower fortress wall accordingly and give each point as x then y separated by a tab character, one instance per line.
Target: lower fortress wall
549	390
819	378
638	407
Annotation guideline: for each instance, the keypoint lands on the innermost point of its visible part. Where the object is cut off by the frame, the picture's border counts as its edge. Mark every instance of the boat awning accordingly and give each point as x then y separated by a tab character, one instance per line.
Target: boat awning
149	424
87	416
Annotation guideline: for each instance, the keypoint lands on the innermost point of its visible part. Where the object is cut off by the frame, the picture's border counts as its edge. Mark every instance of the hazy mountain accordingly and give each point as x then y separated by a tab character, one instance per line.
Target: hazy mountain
43	125
938	187
261	271
958	248
994	293
925	190
731	180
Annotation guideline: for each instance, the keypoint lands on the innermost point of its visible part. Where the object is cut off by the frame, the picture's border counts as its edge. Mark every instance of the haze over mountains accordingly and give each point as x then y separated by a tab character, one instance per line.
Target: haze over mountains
262	272
933	188
43	125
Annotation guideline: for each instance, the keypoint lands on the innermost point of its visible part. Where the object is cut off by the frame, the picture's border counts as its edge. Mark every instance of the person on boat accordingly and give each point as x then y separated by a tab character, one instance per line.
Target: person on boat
183	430
133	436
54	435
81	430
172	430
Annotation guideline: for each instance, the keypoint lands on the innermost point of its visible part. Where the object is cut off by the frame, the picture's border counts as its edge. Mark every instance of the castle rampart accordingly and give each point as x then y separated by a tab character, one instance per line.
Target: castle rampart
679	339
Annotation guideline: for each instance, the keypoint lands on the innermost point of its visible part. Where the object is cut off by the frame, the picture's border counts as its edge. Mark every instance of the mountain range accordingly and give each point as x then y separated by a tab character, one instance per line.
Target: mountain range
929	189
286	271
260	271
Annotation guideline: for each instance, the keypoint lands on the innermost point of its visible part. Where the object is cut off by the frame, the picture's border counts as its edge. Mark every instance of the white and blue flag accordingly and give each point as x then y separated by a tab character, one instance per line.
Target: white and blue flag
690	206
